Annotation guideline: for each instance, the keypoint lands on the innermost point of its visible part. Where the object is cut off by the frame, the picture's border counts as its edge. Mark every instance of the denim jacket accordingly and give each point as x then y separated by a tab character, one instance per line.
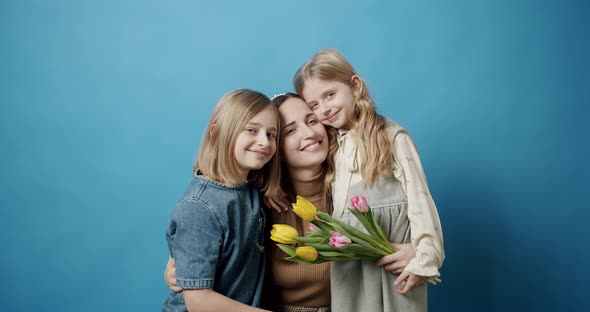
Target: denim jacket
216	237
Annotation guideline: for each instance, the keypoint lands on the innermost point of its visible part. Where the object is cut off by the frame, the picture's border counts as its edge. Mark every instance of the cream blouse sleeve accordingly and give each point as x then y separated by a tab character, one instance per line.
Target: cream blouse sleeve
424	220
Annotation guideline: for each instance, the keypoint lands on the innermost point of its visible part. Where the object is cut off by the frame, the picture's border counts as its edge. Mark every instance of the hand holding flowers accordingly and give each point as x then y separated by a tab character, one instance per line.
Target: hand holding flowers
332	240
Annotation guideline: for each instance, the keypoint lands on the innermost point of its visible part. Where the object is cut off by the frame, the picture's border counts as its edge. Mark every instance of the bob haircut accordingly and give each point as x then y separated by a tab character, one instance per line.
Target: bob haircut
216	158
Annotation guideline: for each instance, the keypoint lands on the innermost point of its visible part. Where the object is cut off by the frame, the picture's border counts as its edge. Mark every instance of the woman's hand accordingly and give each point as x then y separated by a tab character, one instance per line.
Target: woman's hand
279	203
407	281
170	275
397	262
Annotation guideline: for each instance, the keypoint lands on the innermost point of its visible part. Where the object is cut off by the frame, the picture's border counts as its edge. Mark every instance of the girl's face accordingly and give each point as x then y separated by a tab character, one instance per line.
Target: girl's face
257	142
331	101
304	138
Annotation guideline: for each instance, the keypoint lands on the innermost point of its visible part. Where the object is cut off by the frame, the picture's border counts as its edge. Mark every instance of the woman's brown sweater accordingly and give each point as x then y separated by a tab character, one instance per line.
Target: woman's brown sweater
292	283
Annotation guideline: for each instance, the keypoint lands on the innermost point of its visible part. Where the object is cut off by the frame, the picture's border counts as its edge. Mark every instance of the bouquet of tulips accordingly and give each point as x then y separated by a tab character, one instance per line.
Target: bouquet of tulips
332	240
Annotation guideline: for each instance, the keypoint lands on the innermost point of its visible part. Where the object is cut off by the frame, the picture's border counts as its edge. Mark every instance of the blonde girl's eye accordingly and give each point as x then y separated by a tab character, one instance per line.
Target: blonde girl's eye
289	131
313	106
312	122
250	130
330	94
271	135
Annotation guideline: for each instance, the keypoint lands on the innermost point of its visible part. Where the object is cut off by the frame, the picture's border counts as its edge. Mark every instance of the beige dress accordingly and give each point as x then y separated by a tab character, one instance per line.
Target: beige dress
404	208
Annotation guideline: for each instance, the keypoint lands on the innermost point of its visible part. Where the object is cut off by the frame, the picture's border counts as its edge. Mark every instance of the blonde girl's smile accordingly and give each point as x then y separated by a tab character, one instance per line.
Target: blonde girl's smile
332	118
257	142
331	101
260	153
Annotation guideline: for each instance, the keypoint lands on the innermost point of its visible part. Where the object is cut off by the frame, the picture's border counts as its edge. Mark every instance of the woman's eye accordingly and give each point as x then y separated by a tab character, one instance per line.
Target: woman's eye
330	94
312	122
289	131
313	106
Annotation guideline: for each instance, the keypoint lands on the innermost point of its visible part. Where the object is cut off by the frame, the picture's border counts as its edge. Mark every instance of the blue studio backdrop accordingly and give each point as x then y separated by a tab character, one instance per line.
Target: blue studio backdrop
103	104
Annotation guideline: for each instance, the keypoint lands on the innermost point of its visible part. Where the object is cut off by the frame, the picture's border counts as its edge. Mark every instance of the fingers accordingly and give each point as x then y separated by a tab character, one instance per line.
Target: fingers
406	285
397	267
284	202
170	275
387	259
400	246
270	203
394	262
401	278
411	281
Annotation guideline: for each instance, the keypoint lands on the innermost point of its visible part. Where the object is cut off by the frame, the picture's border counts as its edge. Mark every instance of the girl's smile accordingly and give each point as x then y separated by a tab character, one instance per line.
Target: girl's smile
261	153
257	142
331	101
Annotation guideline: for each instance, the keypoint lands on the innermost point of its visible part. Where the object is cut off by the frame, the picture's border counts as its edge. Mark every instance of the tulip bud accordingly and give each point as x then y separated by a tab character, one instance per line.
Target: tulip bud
307	253
360	203
283	233
338	240
304	209
314	228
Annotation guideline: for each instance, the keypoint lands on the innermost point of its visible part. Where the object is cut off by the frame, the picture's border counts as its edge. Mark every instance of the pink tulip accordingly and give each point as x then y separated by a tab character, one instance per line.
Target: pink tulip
338	240
360	203
314	228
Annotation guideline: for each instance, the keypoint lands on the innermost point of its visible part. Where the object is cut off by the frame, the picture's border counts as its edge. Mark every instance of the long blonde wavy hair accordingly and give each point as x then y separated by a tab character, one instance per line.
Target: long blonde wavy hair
371	128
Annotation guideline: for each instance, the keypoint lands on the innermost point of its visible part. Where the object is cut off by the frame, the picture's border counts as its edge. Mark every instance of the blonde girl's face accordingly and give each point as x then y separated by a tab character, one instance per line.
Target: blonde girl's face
304	138
257	142
331	101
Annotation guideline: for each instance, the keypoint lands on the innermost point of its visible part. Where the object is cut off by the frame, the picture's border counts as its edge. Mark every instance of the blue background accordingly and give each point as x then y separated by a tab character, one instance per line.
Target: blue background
103	104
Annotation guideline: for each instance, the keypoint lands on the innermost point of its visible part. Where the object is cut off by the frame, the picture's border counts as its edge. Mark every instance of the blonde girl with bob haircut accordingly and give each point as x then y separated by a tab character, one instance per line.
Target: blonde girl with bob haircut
216	231
377	158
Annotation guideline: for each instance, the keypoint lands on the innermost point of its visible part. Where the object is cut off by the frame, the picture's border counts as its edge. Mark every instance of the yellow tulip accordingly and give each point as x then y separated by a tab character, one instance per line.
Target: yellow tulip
307	253
304	209
283	233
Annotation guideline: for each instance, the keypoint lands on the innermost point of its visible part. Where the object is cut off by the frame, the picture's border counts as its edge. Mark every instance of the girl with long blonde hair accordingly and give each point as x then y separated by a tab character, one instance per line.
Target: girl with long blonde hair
377	158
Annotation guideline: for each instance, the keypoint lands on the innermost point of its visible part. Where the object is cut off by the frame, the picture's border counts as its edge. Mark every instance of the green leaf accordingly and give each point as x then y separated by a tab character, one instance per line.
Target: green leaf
290	250
309	239
367	253
373	223
322	225
323	247
336	254
365	222
299	260
376	242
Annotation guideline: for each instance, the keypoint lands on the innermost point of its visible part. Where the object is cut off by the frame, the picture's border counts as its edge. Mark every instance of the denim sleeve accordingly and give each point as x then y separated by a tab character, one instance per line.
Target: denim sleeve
194	239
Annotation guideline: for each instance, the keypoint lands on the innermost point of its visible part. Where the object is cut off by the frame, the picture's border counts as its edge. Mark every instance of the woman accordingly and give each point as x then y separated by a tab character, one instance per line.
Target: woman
304	148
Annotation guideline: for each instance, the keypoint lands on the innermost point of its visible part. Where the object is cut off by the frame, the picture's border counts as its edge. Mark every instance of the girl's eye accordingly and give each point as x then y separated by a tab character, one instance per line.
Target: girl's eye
312	122
271	135
251	130
313	106
330	94
289	131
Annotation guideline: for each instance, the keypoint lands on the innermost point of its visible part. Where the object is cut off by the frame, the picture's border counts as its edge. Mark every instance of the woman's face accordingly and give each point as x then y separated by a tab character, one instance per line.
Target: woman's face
304	141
